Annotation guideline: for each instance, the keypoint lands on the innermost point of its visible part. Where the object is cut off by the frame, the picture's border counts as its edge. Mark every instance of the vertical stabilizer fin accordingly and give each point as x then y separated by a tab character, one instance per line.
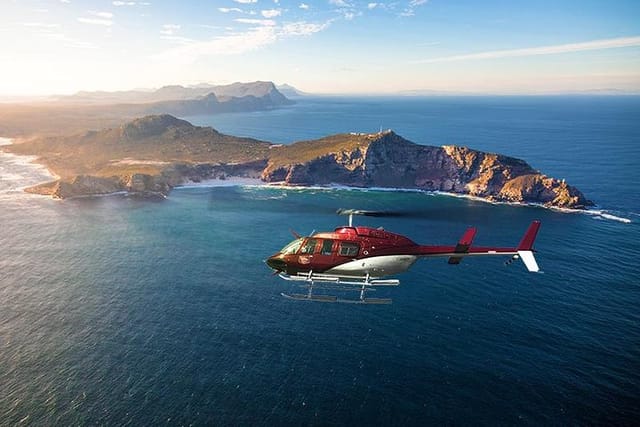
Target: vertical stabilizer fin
525	247
526	244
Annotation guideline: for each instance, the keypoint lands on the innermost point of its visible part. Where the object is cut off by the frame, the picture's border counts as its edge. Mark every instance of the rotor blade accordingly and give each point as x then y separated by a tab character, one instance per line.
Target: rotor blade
295	234
371	213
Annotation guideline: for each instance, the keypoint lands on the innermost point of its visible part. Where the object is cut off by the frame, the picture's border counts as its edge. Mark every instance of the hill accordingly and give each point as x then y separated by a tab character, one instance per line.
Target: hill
147	155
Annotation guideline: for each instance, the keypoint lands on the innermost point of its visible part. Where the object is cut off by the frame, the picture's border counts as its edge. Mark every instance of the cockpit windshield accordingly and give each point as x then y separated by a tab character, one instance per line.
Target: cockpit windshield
292	247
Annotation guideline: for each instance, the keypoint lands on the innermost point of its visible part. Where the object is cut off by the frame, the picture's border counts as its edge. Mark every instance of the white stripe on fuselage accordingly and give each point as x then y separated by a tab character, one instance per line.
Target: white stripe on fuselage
377	266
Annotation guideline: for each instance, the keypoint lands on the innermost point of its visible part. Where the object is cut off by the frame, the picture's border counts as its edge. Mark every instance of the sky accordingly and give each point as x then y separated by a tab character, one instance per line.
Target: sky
322	46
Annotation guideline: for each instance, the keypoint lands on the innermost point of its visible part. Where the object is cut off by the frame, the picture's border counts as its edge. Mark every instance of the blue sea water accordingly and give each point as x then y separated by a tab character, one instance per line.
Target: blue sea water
117	311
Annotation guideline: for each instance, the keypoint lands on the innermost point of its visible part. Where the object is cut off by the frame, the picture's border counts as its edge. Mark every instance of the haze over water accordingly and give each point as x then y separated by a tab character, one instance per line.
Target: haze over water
117	311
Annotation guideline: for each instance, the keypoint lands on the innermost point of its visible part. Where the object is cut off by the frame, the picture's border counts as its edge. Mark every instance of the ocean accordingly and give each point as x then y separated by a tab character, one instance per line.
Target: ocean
117	311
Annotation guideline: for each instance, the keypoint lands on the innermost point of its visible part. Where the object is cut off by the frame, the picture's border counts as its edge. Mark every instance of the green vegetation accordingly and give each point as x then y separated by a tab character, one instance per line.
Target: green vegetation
305	151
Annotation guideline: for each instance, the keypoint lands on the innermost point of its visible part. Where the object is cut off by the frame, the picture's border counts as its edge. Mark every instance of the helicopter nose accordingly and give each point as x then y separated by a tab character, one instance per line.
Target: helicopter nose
276	262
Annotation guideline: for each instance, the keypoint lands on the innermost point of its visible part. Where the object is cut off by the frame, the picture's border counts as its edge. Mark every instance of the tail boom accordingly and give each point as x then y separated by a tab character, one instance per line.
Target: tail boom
523	251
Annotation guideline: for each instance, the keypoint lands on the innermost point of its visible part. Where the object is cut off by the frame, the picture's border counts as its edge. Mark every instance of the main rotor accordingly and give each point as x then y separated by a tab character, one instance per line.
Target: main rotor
362	212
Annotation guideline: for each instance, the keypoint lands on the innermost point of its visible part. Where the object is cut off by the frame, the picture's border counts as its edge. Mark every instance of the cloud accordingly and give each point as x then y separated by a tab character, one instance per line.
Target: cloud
177	39
96	21
70	41
542	50
104	15
304	6
130	3
260	35
302	28
346	9
65	1
40	25
410	9
271	13
230	44
169	29
245	1
372	6
229	9
263	22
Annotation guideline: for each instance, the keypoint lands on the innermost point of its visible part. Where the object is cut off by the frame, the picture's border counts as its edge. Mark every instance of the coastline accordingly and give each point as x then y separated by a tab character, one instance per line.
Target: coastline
28	172
596	212
43	175
46	176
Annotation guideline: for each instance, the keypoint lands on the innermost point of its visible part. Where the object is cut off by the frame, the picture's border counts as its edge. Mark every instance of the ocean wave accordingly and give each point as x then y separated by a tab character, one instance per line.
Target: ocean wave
19	172
603	214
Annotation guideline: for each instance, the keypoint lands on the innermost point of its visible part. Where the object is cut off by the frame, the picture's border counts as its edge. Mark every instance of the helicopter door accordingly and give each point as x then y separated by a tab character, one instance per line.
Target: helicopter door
324	256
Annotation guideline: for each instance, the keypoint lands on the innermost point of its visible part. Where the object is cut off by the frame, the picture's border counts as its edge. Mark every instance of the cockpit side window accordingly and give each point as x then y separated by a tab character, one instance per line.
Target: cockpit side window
309	246
348	249
327	245
292	247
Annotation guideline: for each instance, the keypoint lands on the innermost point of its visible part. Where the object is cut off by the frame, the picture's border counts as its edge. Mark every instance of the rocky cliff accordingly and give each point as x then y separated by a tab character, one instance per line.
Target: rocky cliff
388	160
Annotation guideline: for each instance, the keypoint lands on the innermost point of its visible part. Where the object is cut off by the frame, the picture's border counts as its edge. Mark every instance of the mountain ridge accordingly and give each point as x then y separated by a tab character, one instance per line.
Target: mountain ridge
101	110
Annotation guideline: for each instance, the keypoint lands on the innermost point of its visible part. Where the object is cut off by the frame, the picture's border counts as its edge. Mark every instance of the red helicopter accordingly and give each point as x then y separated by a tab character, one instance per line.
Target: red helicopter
362	256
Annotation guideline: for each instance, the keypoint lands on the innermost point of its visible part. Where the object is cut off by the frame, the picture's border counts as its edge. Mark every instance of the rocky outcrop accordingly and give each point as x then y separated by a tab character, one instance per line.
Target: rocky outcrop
388	160
150	186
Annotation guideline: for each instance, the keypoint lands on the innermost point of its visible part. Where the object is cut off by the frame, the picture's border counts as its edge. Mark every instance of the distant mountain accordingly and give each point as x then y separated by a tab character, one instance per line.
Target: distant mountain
258	89
290	91
212	104
99	110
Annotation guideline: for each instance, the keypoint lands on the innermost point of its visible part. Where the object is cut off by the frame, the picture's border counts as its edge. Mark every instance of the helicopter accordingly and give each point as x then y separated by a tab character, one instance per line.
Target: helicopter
361	258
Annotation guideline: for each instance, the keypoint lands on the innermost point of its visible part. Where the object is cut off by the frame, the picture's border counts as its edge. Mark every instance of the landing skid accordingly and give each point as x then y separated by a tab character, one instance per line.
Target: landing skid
362	284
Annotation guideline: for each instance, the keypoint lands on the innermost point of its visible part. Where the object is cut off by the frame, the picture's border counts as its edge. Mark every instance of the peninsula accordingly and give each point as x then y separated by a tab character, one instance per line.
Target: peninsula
151	155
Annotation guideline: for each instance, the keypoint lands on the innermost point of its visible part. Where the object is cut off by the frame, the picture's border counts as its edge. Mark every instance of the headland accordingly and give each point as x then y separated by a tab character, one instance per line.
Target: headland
149	156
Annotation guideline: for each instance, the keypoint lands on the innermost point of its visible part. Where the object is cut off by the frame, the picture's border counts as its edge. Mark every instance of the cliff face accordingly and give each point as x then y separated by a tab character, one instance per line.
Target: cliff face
388	160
